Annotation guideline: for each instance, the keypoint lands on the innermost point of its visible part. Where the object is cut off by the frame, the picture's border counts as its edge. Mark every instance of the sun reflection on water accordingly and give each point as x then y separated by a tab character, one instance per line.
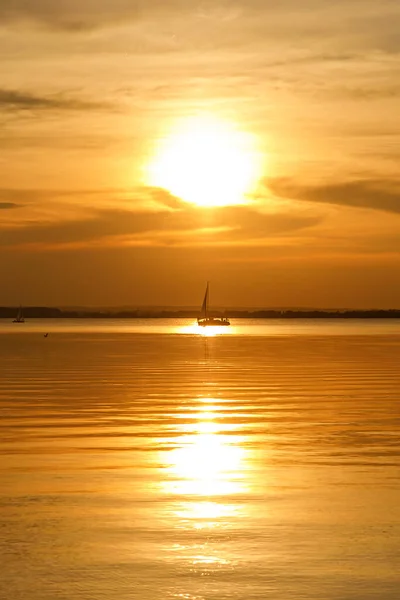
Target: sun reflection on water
206	467
194	329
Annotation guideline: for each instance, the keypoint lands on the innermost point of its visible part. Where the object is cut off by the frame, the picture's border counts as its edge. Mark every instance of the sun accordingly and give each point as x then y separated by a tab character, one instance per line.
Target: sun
207	162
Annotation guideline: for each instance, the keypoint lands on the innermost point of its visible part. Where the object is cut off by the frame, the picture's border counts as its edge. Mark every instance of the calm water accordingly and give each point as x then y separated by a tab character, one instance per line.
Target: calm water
140	460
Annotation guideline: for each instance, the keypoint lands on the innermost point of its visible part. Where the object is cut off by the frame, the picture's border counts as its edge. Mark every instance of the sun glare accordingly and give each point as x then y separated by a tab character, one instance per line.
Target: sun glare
207	458
194	329
207	162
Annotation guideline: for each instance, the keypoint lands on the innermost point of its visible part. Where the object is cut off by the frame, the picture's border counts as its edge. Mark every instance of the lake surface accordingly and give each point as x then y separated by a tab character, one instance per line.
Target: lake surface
142	460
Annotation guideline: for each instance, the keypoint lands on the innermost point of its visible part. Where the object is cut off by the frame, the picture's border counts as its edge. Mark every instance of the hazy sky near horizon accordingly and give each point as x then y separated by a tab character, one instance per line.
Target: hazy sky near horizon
102	108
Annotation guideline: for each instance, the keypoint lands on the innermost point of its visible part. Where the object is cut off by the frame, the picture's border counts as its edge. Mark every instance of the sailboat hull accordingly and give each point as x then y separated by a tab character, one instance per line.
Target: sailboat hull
210	322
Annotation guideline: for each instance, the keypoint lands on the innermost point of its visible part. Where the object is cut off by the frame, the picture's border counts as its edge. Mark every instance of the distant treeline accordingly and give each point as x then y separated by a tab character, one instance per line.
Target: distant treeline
44	312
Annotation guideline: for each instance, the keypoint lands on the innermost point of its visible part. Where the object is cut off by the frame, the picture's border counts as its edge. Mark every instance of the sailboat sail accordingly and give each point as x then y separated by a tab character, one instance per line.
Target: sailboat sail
205	302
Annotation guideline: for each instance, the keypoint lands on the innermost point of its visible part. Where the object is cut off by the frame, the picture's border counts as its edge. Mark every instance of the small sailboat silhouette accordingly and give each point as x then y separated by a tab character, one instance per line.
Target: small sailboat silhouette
20	316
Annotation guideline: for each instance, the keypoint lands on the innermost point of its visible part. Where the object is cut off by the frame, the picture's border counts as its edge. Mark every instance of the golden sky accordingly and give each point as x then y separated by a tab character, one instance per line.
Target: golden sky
150	145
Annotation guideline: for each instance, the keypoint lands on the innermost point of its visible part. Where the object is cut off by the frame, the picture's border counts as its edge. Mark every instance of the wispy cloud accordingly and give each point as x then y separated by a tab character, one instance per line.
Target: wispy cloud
376	194
185	226
8	205
70	14
77	15
15	100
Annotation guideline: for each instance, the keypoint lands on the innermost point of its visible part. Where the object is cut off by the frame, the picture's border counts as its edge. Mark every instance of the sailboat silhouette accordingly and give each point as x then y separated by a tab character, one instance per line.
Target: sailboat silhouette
20	316
204	320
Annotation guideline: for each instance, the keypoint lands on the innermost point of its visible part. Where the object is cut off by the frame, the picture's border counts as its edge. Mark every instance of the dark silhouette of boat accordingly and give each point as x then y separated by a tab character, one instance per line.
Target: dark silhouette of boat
20	316
204	320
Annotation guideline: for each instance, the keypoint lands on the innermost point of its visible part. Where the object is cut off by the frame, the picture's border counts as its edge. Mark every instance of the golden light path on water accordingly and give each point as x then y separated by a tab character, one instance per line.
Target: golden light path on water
195	329
206	467
205	472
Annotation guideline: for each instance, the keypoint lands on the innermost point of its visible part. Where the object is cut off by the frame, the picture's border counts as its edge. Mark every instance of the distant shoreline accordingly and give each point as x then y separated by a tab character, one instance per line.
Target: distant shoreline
37	312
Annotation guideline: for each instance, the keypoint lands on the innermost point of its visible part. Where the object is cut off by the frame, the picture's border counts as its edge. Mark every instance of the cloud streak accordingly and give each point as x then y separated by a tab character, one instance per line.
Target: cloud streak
187	225
374	194
77	15
15	101
74	15
8	205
